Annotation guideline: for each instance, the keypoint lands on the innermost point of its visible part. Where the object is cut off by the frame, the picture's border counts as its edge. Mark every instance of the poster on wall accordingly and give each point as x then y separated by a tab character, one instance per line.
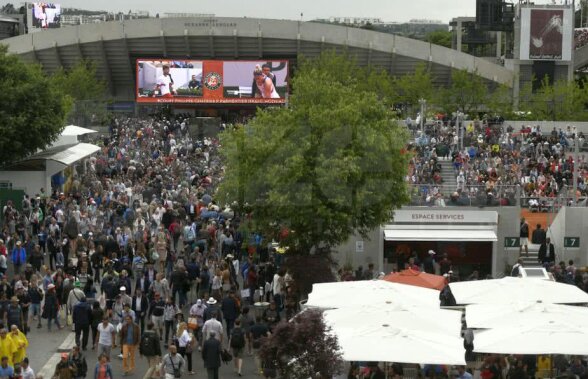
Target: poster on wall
210	81
546	40
546	34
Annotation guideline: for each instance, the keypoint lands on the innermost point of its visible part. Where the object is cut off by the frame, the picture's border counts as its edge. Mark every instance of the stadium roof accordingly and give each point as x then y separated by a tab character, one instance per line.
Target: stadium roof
115	45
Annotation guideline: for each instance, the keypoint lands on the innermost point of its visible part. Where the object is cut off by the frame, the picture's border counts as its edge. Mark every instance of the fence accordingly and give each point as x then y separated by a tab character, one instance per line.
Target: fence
431	195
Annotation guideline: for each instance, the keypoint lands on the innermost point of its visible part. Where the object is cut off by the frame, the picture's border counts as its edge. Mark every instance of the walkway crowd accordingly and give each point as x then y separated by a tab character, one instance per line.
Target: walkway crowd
133	250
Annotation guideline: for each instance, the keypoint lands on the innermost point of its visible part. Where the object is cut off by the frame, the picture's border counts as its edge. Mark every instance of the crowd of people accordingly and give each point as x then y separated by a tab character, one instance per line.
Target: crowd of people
580	37
494	164
133	250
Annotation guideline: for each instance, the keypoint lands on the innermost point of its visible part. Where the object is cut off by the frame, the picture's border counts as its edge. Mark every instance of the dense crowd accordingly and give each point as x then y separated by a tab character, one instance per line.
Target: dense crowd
494	163
133	250
581	37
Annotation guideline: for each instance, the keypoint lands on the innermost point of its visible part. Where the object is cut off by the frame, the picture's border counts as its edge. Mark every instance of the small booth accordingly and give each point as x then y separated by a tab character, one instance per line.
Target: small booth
464	238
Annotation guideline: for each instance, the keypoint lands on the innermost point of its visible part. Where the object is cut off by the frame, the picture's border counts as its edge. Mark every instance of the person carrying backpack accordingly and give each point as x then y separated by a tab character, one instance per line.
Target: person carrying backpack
237	344
150	348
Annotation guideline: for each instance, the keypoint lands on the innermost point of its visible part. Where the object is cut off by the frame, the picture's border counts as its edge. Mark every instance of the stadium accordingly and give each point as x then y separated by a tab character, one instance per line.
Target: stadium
487	200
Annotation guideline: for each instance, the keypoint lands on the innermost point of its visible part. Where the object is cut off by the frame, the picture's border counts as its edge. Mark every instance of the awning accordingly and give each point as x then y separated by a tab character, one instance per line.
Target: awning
73	130
67	154
439	235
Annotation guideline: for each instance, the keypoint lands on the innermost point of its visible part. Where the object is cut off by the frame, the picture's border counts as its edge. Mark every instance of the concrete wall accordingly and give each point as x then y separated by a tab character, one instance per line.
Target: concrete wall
575	226
557	229
30	181
373	248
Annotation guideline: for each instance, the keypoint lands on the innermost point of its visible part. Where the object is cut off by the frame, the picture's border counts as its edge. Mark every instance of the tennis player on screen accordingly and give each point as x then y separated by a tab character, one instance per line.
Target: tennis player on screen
165	83
265	86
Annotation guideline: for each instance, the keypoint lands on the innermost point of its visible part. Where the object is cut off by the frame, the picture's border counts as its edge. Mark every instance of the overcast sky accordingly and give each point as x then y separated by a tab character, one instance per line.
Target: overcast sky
387	10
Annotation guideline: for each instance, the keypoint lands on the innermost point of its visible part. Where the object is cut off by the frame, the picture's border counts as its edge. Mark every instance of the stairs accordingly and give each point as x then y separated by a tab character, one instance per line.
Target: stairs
531	260
448	175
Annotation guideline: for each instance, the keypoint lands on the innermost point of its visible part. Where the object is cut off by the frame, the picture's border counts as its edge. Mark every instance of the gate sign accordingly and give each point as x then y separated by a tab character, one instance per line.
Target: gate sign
572	242
512	242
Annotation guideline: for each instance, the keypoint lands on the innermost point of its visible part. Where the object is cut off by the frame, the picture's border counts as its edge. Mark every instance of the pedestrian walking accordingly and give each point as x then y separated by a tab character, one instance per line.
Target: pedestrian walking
130	335
211	355
106	338
150	348
172	365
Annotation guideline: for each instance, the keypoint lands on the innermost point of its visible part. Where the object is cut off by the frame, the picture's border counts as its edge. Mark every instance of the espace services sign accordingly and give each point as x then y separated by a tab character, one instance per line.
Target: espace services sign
434	216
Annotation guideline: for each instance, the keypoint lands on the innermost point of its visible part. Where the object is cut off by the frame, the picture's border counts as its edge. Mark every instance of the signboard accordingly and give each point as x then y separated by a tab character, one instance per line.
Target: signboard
572	242
211	82
436	216
546	33
512	242
359	246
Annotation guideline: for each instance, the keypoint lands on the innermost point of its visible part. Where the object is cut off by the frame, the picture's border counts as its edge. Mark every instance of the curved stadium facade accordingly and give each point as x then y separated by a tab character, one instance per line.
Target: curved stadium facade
114	47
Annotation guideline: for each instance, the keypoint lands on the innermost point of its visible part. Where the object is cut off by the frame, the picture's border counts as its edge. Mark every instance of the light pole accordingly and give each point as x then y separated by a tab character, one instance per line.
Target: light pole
423	104
458	120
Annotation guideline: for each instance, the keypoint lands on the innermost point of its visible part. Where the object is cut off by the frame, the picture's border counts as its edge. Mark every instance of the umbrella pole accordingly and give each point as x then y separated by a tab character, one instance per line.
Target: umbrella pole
551	366
386	369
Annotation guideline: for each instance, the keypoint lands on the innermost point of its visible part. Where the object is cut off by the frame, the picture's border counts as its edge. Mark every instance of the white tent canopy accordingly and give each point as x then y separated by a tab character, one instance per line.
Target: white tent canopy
521	314
535	339
73	130
429	320
385	343
515	290
361	293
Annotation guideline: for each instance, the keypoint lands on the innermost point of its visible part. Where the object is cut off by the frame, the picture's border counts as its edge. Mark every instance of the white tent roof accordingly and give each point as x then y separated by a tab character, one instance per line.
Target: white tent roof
361	293
387	343
521	314
515	290
72	130
537	338
430	320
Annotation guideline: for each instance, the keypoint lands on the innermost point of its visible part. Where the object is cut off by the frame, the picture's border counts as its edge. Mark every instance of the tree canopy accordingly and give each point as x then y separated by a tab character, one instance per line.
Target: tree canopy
329	164
32	108
440	37
88	93
303	348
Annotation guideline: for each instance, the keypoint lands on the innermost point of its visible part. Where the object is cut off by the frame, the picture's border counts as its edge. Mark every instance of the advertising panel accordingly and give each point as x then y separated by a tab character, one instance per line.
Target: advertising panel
546	34
45	16
211	81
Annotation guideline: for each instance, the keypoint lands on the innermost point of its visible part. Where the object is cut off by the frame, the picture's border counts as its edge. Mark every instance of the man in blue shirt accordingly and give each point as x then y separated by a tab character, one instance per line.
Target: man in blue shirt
130	335
462	373
6	371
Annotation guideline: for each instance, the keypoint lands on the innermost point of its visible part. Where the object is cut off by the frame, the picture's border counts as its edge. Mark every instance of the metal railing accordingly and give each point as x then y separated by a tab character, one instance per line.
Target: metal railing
430	195
443	195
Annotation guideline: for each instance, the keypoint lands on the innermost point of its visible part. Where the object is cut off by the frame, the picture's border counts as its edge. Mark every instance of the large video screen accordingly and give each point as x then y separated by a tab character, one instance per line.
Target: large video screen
546	34
209	81
45	15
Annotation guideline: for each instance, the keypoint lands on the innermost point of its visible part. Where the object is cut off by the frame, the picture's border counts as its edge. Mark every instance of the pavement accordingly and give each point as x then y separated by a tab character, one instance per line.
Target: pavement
45	348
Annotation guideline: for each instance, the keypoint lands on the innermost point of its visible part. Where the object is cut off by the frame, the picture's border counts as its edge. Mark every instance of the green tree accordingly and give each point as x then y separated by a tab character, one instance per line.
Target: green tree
500	101
87	92
468	93
326	166
440	37
32	108
411	88
560	101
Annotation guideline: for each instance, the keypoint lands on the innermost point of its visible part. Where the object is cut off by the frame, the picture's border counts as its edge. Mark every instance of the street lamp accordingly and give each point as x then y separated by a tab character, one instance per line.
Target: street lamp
423	104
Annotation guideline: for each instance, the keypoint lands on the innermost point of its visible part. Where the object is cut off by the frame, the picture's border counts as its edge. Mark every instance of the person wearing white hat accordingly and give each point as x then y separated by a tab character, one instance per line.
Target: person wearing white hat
51	307
429	262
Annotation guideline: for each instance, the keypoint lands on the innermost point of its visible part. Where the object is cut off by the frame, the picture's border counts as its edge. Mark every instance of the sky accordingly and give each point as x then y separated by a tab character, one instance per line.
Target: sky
387	10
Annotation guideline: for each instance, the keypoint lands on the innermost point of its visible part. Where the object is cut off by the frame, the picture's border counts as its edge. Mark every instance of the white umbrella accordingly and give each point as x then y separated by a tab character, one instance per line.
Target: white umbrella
521	314
514	290
361	293
427	320
384	343
535	339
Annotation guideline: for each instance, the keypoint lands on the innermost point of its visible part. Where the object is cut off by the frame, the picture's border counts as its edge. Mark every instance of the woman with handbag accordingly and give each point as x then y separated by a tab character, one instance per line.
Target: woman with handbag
186	342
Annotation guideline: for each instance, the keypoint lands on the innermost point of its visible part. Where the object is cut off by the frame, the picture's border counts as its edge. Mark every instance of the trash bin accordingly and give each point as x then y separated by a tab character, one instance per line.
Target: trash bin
260	307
